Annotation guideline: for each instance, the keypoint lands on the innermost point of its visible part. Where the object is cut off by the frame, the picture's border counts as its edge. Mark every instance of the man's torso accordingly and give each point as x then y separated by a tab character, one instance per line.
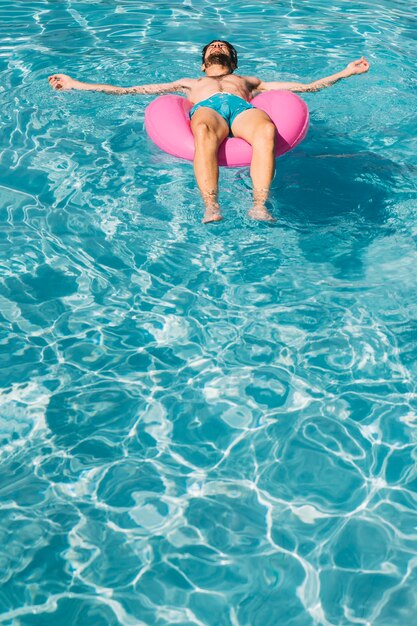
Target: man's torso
202	88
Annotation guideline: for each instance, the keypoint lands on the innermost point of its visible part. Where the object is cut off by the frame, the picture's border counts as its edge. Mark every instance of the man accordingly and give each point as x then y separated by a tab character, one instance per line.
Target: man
222	106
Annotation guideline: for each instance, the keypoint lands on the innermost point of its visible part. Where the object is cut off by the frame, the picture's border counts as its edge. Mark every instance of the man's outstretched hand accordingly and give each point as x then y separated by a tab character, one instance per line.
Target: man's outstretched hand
61	81
358	67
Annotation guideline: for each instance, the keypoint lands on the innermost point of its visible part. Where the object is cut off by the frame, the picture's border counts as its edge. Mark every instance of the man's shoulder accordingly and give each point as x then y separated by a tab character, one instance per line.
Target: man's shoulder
252	80
188	82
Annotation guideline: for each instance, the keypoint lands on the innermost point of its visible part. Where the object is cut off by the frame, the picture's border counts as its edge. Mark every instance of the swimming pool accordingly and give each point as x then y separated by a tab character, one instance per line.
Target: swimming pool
206	425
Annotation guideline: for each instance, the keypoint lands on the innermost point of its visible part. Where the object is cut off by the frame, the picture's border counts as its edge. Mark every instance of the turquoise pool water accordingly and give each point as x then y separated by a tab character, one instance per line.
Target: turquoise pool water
209	426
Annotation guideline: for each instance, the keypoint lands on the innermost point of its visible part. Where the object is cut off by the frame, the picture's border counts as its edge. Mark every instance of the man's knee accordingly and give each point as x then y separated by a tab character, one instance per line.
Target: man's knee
266	132
203	131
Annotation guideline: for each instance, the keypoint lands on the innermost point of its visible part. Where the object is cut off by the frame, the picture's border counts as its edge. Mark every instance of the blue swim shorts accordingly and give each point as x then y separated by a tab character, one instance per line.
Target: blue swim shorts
225	104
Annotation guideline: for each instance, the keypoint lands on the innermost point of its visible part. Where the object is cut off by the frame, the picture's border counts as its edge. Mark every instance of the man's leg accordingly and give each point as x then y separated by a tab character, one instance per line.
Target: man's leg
209	130
257	128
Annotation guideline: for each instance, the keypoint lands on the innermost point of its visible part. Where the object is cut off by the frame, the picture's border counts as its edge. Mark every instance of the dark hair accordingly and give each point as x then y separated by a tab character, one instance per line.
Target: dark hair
232	51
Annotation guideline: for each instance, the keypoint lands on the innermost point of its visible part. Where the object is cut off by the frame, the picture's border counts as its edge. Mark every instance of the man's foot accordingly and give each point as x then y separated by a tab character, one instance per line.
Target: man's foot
261	214
212	214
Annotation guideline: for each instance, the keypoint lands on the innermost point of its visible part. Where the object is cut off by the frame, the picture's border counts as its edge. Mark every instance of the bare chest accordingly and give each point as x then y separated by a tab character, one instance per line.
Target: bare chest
207	86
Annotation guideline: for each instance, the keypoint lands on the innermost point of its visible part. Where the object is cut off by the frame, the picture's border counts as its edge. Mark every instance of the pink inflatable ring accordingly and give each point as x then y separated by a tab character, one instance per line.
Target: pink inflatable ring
168	125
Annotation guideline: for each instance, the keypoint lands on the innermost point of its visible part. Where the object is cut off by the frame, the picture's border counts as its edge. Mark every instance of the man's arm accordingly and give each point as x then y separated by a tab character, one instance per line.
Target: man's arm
65	83
356	67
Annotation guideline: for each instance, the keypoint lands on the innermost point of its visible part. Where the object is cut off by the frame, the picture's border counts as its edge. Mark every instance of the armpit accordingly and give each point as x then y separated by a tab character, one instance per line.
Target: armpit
185	84
252	82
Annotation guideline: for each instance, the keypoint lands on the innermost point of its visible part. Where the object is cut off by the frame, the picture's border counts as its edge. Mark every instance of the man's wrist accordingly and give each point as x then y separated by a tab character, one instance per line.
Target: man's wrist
76	84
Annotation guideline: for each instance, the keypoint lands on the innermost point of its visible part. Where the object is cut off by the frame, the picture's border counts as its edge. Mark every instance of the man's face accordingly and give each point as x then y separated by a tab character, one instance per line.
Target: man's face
217	46
217	54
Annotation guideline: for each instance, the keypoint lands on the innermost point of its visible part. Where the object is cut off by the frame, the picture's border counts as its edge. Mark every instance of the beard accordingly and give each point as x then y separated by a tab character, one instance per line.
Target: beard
219	58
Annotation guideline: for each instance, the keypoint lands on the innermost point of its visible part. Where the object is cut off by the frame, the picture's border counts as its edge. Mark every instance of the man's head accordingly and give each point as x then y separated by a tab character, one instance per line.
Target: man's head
219	52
